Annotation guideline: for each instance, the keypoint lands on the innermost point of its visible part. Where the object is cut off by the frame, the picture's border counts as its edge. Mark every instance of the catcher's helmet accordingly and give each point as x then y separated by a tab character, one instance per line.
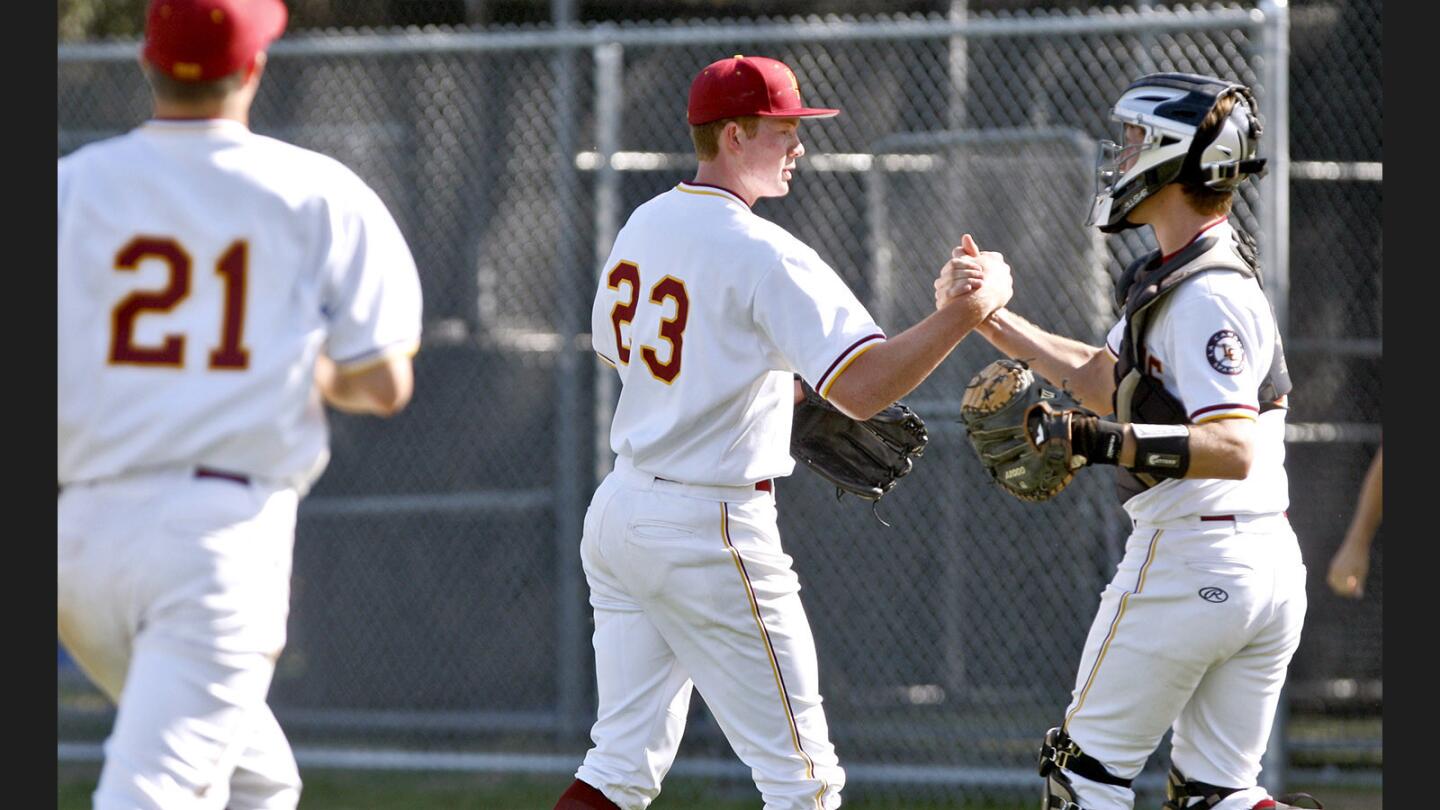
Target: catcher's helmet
1167	108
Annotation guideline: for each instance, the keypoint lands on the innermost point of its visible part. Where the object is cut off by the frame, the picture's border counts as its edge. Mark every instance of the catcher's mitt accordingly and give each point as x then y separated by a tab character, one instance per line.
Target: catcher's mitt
995	408
861	458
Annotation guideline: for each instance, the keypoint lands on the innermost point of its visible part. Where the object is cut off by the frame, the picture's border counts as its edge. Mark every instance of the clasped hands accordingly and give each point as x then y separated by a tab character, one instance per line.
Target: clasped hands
979	279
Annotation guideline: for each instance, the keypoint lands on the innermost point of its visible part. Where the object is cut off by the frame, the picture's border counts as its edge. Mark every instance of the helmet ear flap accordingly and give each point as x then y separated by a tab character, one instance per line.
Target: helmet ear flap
1241	130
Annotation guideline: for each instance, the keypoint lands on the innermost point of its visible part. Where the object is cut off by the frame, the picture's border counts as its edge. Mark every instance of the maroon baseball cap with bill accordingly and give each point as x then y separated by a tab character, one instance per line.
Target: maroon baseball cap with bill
748	85
201	40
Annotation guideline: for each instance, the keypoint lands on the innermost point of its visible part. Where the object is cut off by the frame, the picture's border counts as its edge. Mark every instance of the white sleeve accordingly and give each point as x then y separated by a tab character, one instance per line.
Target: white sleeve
372	296
1218	352
603	327
1114	340
813	320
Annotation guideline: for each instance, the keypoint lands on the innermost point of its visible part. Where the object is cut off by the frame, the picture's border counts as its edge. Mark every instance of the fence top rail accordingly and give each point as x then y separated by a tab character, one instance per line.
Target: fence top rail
1001	135
1105	21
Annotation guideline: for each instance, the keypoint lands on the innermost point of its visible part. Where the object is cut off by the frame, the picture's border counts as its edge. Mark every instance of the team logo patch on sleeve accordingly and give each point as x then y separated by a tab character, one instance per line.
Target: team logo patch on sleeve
1225	352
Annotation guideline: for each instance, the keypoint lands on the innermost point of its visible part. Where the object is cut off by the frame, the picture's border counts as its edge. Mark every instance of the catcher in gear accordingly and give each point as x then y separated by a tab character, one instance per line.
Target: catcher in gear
1196	629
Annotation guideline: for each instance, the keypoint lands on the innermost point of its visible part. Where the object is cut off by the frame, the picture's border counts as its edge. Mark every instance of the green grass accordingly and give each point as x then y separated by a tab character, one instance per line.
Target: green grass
411	790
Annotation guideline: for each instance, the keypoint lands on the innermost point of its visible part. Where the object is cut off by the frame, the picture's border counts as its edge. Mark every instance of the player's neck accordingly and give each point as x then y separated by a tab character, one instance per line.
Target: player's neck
1178	225
228	109
711	173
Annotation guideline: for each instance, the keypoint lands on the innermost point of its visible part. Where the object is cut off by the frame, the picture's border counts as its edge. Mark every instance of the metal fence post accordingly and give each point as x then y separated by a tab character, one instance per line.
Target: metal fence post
609	101
957	111
1275	264
569	472
1274	765
1275	103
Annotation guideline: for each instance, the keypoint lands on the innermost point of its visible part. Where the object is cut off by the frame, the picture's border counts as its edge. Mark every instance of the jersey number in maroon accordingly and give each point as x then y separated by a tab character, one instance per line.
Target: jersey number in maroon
230	355
672	330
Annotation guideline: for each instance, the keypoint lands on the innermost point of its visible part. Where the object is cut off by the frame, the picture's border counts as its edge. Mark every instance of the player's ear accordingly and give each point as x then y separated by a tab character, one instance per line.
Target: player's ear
256	66
730	136
144	67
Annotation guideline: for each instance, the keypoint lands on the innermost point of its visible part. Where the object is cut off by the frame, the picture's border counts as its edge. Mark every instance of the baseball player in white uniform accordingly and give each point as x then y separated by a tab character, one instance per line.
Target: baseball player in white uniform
214	286
707	310
1198	626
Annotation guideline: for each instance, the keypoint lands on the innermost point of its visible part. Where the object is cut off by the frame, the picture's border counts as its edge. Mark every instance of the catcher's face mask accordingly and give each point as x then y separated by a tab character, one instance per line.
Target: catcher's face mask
1156	145
1116	159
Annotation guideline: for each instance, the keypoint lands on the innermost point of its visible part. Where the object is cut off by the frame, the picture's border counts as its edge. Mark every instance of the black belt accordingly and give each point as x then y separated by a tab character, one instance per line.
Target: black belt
211	472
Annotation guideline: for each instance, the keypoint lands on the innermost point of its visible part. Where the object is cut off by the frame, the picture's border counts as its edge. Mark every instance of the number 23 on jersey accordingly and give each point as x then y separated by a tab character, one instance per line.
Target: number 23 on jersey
672	330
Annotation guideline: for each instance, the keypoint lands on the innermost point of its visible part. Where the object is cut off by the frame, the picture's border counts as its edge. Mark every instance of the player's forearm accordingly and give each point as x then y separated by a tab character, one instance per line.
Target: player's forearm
1368	508
1222	449
383	389
1087	371
1361	531
892	369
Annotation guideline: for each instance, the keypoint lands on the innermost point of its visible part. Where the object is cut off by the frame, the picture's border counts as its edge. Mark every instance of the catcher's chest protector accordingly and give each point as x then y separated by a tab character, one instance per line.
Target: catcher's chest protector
1140	397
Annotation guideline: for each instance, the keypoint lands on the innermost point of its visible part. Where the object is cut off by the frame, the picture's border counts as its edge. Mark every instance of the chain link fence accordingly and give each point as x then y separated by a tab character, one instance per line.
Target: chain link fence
439	615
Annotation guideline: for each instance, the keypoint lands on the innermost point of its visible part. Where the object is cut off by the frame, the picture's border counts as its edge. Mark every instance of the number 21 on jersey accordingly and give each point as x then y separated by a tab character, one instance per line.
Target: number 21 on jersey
672	330
232	267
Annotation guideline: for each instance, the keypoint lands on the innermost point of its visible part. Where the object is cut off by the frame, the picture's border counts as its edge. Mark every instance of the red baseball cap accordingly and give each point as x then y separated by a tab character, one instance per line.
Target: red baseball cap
201	40
748	85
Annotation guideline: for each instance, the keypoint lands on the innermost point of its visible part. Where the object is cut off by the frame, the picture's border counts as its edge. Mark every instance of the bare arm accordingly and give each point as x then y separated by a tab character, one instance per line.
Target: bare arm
1351	563
965	295
381	389
895	367
1087	371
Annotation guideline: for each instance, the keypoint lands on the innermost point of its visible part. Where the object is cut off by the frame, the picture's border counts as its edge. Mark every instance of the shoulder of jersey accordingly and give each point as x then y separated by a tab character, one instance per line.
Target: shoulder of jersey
279	162
1222	284
1217	282
760	230
95	149
285	158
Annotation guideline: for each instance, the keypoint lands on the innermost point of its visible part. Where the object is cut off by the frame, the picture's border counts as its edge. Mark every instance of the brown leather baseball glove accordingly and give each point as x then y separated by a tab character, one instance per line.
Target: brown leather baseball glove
995	408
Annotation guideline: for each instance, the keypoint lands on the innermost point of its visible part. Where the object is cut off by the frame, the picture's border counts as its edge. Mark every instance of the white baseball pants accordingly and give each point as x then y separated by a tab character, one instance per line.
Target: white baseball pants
1196	630
690	588
173	592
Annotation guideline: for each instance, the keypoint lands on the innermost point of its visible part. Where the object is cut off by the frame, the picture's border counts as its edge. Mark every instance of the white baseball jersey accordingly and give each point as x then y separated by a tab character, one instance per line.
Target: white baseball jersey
706	310
1211	343
202	267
